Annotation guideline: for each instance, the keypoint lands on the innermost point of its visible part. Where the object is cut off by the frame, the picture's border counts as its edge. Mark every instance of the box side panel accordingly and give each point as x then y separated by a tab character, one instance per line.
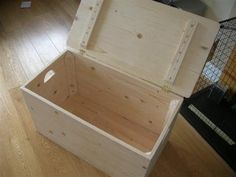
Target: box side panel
70	69
169	124
57	81
85	141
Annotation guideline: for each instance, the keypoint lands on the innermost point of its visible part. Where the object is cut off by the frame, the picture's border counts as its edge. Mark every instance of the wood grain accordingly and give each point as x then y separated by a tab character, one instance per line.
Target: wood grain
24	152
144	38
103	129
118	126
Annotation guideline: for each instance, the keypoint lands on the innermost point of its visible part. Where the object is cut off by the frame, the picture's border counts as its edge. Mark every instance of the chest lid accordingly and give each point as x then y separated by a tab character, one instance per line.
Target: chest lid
162	45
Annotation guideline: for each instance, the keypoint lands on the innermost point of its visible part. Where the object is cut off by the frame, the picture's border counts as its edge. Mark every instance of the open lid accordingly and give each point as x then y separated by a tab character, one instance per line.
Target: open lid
162	45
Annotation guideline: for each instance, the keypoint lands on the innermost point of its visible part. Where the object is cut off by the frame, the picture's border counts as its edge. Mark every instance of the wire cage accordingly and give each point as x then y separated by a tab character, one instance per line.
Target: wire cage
220	67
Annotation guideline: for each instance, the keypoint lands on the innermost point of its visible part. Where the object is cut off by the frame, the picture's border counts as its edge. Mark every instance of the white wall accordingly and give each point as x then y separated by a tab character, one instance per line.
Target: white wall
220	9
233	11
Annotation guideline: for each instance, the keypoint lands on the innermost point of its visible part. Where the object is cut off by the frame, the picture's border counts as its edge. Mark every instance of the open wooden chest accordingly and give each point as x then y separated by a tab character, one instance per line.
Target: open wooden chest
112	98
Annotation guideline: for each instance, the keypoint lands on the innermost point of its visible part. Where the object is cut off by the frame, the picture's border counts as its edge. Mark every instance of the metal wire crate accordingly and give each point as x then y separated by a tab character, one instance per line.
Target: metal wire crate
220	67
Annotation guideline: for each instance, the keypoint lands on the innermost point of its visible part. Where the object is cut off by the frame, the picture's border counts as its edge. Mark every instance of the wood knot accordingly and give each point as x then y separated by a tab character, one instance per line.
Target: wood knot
144	167
126	97
204	47
139	35
142	101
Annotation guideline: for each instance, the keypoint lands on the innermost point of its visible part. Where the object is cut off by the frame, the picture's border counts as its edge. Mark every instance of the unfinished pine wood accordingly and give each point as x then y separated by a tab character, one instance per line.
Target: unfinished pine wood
115	127
24	152
111	122
94	130
69	62
118	92
114	134
93	145
52	83
95	10
124	107
182	48
141	38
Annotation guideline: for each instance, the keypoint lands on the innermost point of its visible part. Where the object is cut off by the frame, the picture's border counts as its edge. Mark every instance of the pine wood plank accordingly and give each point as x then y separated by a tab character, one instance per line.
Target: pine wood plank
140	38
111	122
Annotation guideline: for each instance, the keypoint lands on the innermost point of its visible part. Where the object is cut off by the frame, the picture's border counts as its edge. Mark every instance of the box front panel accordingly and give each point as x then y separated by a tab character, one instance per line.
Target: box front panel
84	140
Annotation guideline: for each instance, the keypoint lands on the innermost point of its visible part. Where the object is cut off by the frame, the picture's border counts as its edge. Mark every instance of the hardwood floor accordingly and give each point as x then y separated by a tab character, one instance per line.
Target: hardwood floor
29	40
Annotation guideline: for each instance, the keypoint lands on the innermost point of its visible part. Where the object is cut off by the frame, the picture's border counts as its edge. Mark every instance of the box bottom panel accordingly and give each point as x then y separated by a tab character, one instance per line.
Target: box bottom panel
111	122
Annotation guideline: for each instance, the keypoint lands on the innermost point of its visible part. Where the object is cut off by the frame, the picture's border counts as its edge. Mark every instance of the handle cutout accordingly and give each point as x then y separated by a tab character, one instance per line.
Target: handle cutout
48	76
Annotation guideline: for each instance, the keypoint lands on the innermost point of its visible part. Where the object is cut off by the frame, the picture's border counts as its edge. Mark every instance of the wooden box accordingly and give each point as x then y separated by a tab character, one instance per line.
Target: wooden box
112	98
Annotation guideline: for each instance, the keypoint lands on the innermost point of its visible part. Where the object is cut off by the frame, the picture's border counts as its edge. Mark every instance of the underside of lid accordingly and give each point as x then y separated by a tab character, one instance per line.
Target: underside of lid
162	45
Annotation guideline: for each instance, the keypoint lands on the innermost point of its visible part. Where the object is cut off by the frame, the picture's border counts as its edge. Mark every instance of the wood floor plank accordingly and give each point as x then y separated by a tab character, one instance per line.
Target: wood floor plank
28	40
17	40
59	12
22	47
13	72
57	32
55	21
40	40
17	155
8	16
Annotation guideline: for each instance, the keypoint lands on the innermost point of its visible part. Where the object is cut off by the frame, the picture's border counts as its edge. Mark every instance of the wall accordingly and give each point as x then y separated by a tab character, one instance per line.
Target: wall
220	9
233	11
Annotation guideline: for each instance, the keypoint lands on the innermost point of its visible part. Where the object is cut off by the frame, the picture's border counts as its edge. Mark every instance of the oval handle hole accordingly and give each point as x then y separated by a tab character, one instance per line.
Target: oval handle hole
48	76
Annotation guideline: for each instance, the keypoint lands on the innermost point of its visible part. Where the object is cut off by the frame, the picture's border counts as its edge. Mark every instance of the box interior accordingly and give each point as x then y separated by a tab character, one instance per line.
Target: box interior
127	108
